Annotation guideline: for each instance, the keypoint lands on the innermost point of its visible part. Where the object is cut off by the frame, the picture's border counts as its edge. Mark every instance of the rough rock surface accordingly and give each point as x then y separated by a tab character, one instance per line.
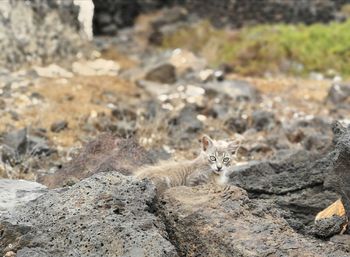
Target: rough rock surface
14	193
113	15
164	73
281	175
329	226
38	32
342	163
252	11
106	153
105	215
297	182
207	221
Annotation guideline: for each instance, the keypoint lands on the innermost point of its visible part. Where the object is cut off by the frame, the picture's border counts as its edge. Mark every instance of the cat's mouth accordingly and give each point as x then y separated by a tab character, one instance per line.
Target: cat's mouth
218	171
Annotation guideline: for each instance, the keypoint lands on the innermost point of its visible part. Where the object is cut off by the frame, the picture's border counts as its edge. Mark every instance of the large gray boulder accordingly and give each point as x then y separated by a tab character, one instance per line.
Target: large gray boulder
217	221
38	31
105	215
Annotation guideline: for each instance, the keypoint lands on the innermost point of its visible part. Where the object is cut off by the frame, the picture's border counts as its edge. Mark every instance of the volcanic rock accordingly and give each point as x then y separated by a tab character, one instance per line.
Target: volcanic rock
163	73
223	221
105	215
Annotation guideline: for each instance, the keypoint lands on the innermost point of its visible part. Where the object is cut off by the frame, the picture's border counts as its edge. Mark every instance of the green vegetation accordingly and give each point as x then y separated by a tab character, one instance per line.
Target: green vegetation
295	49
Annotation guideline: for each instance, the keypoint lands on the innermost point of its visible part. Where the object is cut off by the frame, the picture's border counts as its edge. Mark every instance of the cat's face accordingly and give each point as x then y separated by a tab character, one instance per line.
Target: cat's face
219	154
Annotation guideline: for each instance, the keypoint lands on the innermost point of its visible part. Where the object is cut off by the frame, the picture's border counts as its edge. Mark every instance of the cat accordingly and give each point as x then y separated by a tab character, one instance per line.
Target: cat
211	166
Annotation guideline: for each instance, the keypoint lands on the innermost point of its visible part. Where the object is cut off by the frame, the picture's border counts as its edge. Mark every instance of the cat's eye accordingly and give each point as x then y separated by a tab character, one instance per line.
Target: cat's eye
212	158
226	159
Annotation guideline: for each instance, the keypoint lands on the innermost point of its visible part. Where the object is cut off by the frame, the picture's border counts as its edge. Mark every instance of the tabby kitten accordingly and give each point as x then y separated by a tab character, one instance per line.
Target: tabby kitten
211	166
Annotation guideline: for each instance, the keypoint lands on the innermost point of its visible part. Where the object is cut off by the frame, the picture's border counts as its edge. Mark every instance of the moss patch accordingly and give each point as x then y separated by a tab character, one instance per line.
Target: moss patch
295	49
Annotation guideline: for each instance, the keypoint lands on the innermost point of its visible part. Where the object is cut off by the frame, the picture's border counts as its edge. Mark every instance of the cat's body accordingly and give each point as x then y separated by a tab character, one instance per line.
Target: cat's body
209	167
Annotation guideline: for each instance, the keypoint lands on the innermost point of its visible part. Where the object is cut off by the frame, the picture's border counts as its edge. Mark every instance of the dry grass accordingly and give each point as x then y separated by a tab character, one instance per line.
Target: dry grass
113	54
72	100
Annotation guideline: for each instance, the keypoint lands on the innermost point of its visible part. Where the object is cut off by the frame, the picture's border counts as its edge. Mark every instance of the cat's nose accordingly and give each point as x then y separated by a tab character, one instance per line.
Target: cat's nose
219	168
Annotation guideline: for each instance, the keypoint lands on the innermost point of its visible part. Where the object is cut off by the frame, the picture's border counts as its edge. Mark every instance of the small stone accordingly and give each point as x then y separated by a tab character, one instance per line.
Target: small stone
164	73
339	93
2	104
110	29
10	254
16	140
237	124
59	126
263	120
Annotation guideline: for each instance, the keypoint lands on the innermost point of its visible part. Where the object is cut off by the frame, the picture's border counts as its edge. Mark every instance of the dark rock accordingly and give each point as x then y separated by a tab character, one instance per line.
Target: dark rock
106	153
339	93
2	104
105	215
122	13
18	146
222	221
124	113
168	22
314	134
221	13
329	226
237	124
122	123
17	141
39	146
170	16
263	120
252	12
279	176
111	29
295	181
156	38
163	73
14	115
59	126
303	205
295	135
317	142
36	95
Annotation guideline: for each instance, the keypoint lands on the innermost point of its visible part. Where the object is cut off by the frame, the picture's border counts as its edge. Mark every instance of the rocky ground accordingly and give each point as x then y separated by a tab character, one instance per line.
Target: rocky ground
156	103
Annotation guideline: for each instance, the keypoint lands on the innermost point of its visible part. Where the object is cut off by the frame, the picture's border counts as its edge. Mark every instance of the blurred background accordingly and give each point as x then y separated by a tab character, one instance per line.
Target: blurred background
274	72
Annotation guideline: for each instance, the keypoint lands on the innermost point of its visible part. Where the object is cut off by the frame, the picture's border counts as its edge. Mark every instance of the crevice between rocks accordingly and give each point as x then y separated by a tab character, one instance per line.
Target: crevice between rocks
156	207
254	194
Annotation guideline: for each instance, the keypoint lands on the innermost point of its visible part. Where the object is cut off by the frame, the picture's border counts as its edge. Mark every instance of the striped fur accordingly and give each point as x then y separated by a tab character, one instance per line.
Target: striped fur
201	170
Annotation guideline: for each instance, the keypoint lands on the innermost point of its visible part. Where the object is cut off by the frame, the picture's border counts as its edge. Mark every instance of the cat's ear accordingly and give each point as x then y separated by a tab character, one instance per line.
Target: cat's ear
207	143
233	146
